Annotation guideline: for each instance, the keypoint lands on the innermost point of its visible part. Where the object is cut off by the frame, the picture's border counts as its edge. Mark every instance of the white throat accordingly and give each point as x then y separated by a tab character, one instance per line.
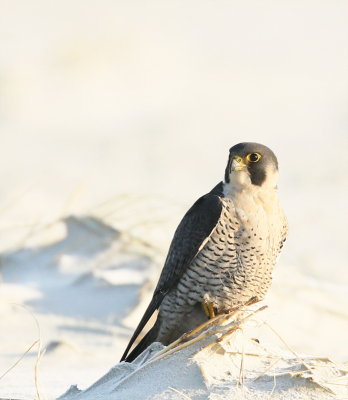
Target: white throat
240	182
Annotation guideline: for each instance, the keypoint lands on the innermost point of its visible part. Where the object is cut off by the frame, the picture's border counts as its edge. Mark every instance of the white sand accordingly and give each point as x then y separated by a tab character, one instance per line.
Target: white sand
104	98
206	371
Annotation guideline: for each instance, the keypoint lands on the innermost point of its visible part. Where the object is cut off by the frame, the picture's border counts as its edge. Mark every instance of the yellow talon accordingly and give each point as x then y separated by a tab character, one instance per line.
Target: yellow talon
205	308
208	309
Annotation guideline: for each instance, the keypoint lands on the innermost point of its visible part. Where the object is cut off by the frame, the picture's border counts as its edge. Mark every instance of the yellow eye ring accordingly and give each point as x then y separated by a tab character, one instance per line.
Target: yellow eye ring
253	157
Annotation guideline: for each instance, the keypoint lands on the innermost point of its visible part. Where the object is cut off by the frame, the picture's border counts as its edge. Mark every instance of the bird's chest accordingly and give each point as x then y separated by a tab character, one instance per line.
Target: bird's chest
245	236
237	261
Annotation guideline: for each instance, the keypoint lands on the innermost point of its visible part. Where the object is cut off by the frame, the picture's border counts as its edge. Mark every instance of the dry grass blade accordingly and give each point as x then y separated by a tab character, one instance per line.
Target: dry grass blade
267	369
182	394
209	328
241	371
189	343
274	386
37	372
339	366
273	397
39	354
230	331
292	351
340	378
313	378
225	337
19	359
176	346
205	326
222	318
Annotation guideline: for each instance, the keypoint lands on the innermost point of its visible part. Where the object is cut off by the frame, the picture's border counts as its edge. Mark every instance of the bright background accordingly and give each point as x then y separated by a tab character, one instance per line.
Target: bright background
132	96
100	98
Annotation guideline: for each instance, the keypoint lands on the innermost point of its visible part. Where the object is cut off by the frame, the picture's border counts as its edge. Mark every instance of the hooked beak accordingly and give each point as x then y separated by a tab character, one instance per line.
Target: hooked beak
237	164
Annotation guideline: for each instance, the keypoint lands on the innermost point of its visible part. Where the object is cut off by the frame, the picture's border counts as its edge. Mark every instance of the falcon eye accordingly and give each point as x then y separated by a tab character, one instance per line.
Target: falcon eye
253	157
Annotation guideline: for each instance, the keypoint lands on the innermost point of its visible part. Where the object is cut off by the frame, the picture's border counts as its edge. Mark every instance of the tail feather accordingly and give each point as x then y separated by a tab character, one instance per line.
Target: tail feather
149	338
155	303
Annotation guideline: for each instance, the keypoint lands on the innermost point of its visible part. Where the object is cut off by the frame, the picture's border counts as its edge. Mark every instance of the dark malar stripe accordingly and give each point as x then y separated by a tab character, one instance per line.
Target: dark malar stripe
228	170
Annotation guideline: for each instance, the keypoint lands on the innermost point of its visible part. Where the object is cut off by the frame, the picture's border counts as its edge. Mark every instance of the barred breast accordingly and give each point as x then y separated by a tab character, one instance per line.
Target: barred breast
234	264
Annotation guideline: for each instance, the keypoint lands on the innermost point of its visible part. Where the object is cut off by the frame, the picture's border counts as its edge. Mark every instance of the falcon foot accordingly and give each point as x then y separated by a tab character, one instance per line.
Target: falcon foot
208	309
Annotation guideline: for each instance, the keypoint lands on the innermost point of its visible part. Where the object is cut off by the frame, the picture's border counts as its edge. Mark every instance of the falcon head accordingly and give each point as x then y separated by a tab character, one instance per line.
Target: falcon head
251	164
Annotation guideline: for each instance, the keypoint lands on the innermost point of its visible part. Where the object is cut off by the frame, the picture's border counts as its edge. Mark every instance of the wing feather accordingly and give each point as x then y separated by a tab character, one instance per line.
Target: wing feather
196	226
189	238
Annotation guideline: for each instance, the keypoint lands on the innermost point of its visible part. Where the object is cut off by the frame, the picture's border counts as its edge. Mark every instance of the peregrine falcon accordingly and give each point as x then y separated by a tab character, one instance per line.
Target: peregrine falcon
223	251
